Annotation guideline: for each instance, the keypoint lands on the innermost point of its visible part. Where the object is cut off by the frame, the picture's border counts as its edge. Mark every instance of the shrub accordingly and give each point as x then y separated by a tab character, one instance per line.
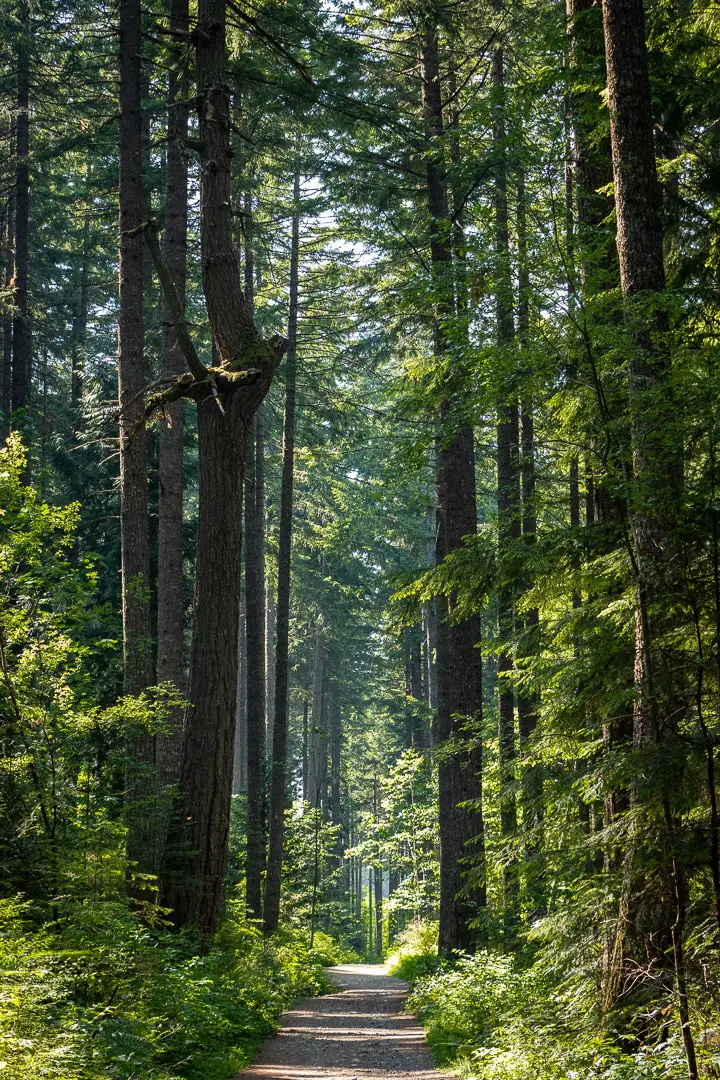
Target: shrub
98	994
415	952
494	1019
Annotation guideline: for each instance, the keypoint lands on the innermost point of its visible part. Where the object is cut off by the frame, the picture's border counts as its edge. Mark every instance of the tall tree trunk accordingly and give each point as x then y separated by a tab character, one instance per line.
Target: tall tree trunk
508	487
240	765
305	753
255	673
134	525
656	445
371	910
335	768
429	620
228	396
78	336
532	780
8	243
278	775
270	633
591	166
317	753
170	602
376	912
21	340
595	252
527	703
459	676
378	875
254	622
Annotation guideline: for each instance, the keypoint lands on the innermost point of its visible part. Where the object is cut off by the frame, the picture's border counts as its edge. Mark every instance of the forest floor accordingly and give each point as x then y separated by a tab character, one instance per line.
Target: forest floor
360	1033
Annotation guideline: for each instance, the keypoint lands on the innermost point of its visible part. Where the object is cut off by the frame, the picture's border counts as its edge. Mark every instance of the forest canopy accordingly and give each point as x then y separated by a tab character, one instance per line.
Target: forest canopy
359	553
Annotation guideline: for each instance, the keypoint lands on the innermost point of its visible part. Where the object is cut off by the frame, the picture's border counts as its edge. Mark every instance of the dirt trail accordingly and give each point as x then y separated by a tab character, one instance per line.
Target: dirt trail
359	1033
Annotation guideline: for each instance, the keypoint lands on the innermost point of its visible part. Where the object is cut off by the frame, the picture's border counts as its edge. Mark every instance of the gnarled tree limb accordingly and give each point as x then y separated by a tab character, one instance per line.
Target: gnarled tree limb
175	307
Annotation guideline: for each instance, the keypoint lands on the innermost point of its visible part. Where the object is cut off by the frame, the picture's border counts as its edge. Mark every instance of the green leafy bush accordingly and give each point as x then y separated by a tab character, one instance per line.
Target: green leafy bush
99	994
494	1019
415	952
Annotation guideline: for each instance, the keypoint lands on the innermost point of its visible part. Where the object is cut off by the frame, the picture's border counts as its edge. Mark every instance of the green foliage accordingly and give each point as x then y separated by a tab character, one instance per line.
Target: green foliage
403	835
416	952
493	1018
334	92
98	994
90	987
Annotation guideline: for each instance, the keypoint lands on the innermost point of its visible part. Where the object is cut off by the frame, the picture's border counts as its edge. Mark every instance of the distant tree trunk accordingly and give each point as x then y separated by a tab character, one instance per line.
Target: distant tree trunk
254	621
255	673
415	735
197	849
459	677
656	441
508	487
240	766
393	923
134	526
305	753
78	337
378	874
508	477
270	633
278	776
170	601
574	492
377	881
532	780
371	910
429	619
8	242
591	162
21	340
335	773
325	750
415	665
318	744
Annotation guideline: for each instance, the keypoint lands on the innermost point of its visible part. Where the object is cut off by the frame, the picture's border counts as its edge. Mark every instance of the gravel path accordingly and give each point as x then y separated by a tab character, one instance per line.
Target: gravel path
360	1033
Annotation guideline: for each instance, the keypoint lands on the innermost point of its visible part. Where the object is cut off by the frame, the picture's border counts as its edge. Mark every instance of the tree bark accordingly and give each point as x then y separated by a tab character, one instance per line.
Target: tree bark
305	753
378	875
21	339
170	599
134	522
459	677
429	621
317	754
8	238
228	396
240	766
255	673
591	165
80	315
508	489
254	622
335	771
278	775
527	702
656	445
270	634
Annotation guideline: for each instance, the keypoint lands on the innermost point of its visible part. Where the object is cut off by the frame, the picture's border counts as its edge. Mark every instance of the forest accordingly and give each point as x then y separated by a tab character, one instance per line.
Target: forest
359	529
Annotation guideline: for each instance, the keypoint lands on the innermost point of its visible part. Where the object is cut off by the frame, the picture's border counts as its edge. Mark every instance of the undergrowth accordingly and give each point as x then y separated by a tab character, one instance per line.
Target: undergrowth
96	993
494	1018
